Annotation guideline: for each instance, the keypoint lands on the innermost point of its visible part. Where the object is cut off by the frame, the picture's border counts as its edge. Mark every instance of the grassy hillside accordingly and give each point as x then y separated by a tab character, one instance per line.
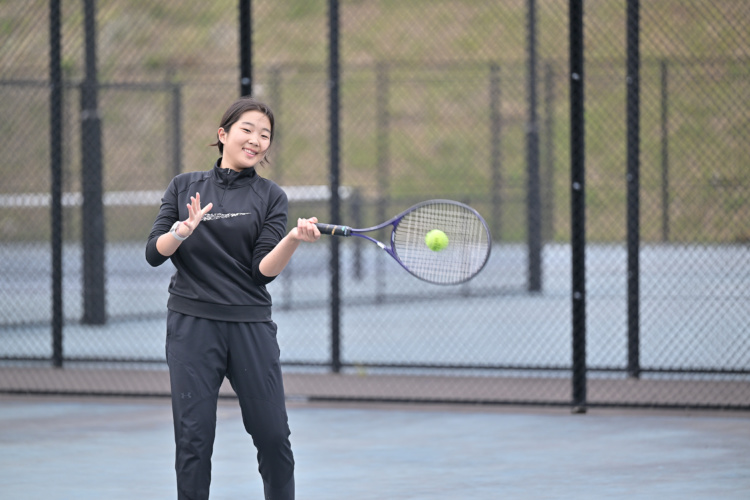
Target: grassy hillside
416	101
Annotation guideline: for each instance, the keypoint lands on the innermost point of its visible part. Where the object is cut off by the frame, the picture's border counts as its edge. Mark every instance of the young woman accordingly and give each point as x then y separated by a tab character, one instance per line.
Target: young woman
224	230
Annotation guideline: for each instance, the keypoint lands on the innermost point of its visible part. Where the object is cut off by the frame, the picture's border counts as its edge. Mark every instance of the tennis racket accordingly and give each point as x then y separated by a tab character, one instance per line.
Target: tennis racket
464	254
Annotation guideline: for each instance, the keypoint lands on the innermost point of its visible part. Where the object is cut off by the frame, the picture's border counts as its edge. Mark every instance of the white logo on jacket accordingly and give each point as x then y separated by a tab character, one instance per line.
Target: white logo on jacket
222	216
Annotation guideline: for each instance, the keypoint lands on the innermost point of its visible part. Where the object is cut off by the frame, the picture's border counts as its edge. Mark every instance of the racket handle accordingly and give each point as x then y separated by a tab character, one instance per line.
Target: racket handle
332	230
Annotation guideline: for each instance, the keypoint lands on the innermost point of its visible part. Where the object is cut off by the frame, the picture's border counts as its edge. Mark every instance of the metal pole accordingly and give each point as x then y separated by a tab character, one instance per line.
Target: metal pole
333	83
91	181
276	98
633	183
664	152
176	127
56	166
548	220
578	206
382	122
496	152
533	197
246	48
286	279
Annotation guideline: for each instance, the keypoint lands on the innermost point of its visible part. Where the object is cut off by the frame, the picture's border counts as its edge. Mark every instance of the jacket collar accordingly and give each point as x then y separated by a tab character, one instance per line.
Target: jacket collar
230	179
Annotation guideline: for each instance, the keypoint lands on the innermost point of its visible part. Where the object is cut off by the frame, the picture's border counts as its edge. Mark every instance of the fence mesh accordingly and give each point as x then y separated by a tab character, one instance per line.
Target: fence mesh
452	99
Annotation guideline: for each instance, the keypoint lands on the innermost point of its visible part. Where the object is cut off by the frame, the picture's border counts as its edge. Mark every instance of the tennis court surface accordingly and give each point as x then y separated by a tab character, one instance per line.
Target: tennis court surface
122	448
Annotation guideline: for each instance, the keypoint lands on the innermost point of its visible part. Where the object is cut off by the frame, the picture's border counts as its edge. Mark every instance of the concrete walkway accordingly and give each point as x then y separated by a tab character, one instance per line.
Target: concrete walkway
118	449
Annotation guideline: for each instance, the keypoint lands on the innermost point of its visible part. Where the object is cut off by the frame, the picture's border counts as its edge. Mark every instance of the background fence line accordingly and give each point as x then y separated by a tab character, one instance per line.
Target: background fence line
481	109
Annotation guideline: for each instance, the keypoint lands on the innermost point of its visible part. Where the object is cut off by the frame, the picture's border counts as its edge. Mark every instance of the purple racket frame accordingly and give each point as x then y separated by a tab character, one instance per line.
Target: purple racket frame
346	231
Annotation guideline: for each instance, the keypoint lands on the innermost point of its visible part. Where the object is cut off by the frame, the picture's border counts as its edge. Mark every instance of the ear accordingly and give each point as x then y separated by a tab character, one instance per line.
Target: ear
222	135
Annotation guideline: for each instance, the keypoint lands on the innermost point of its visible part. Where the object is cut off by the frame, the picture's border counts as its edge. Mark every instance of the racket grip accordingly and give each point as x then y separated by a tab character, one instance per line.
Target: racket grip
332	230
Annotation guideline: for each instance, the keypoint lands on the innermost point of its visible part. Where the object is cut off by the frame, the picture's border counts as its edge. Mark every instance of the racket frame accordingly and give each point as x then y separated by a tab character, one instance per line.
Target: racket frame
346	231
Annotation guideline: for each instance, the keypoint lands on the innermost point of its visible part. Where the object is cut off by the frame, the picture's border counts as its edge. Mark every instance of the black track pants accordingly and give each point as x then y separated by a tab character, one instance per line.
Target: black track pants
200	353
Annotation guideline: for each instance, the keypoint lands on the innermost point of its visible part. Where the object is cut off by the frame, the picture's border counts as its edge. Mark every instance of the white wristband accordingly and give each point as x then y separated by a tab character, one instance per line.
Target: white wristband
174	232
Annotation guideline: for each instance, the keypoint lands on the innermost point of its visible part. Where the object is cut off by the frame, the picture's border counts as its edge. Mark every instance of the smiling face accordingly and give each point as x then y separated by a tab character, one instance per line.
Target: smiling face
246	142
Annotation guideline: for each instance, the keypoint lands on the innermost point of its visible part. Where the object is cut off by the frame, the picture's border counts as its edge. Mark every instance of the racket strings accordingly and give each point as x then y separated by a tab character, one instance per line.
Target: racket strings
468	242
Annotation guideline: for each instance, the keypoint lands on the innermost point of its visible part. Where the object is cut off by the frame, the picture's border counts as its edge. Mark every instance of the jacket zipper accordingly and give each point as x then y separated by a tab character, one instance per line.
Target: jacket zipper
226	187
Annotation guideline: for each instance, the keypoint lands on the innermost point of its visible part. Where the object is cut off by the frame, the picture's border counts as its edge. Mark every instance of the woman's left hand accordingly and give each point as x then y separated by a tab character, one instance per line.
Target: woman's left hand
306	230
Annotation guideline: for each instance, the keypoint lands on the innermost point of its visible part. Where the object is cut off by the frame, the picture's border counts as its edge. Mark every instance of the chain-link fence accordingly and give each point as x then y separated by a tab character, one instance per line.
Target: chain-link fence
619	262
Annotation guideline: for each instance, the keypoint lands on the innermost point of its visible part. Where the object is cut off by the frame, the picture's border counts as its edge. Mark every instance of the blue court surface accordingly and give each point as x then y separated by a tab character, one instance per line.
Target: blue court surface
108	448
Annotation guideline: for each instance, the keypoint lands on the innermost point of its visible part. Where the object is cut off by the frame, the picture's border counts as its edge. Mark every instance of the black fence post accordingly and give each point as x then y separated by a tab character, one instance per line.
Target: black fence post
578	206
548	204
664	151
246	48
533	197
333	84
276	97
382	124
633	183
496	152
286	279
176	128
94	298
56	167
355	207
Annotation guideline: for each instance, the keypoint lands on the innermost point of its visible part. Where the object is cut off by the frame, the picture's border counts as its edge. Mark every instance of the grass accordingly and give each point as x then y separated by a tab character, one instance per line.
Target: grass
435	91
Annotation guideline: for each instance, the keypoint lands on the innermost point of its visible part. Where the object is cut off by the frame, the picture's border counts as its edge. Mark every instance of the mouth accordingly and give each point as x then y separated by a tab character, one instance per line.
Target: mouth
250	152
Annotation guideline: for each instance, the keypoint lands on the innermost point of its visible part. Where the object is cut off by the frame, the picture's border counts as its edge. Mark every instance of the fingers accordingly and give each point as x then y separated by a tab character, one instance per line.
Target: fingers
306	230
195	212
193	218
194	207
195	204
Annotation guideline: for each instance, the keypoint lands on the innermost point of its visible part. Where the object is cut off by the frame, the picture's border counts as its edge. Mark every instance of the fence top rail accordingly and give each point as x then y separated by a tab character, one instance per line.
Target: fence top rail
153	197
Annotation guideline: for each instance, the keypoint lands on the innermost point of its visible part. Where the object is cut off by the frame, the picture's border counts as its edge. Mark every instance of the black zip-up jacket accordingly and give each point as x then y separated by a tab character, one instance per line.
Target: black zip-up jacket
217	274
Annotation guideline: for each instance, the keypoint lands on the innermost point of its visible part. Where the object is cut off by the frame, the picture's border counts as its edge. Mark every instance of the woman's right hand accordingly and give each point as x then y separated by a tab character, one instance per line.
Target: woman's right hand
195	214
167	244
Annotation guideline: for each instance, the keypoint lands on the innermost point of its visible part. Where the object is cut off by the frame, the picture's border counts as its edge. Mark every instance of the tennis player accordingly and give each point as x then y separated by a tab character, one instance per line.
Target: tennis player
225	231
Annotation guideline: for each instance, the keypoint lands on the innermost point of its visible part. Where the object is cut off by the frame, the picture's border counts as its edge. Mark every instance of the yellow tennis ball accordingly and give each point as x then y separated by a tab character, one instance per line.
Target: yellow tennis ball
436	240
